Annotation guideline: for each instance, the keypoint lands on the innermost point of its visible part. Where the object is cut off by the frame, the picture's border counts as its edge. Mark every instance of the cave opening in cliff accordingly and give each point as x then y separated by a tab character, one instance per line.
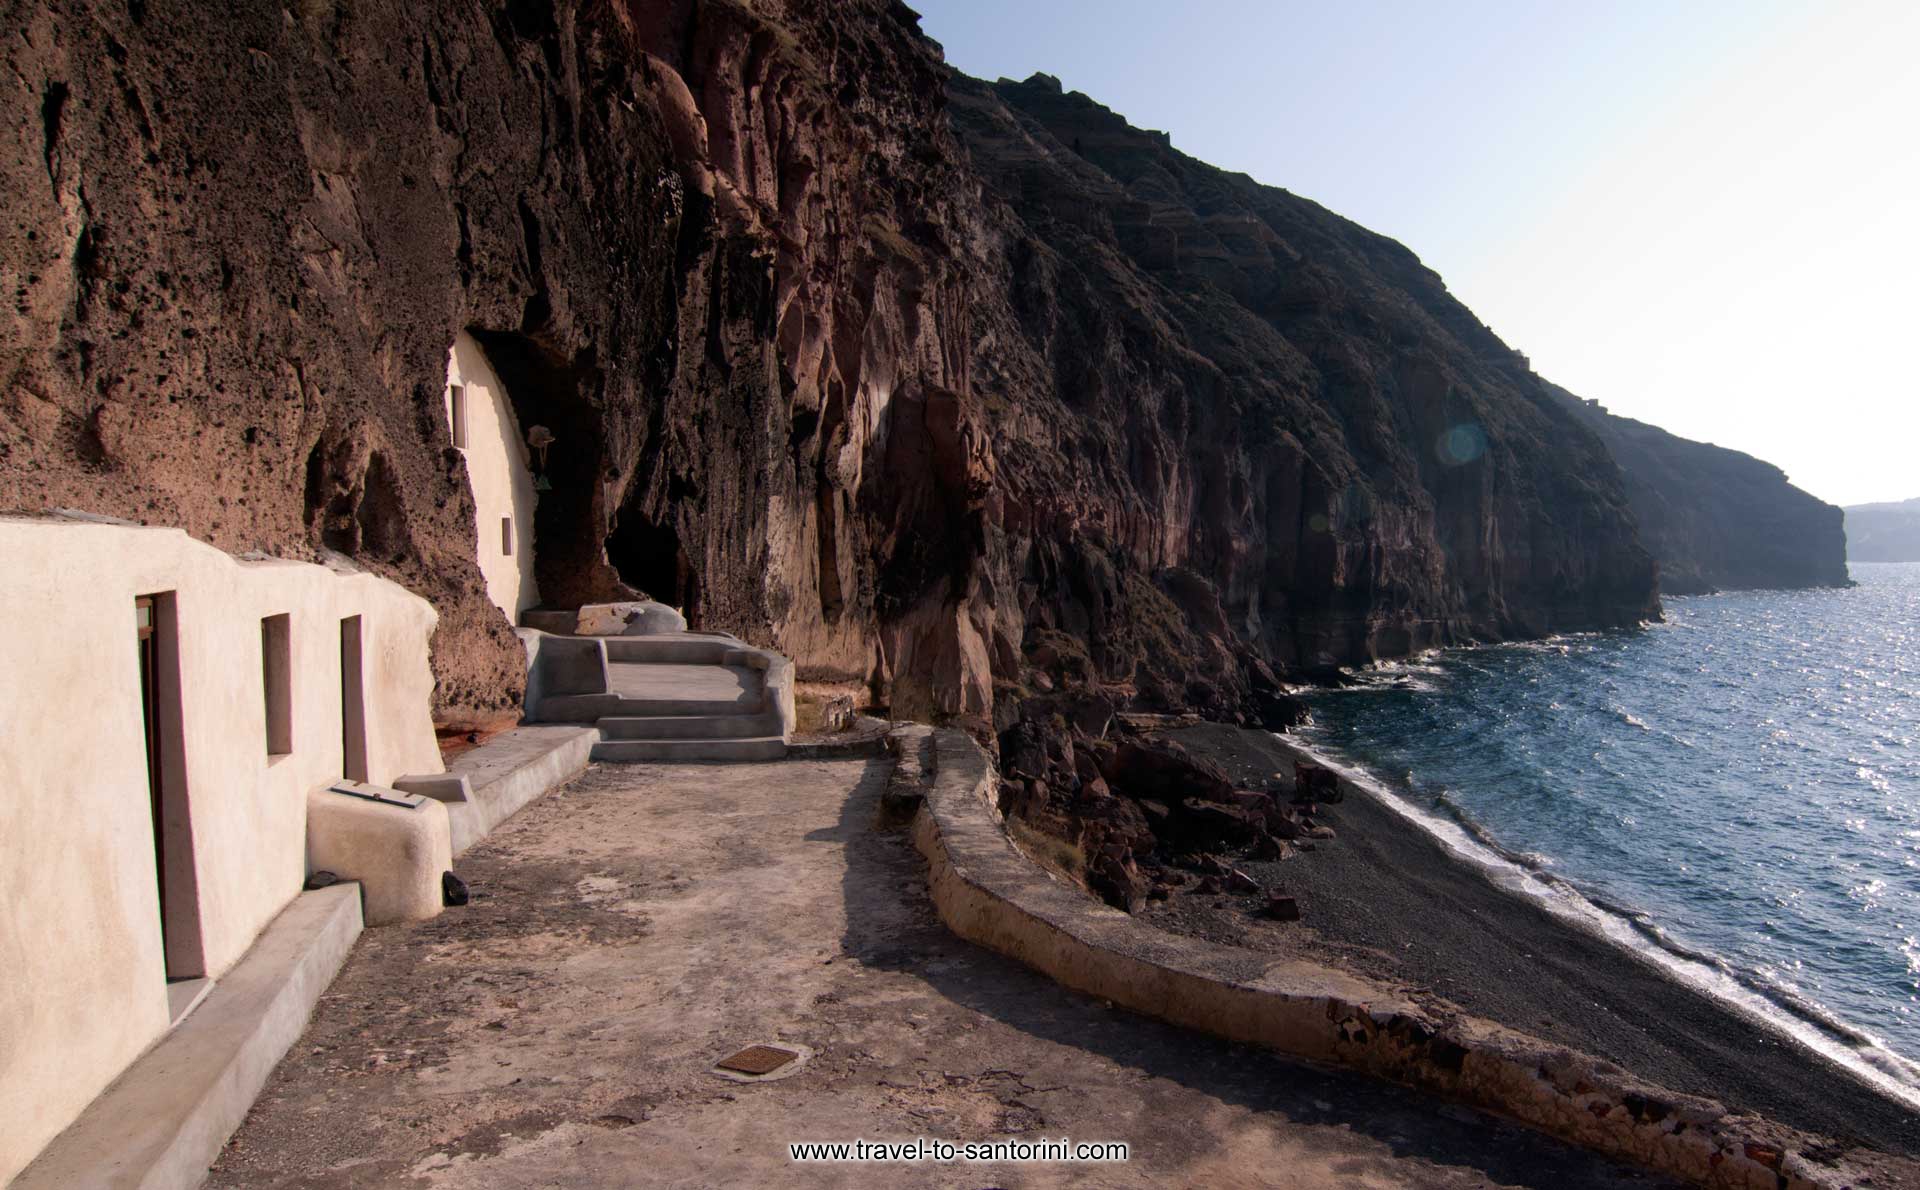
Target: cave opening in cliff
650	557
551	398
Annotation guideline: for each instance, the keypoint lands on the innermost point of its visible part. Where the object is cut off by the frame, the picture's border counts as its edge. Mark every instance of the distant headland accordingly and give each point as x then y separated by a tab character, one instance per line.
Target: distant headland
1887	532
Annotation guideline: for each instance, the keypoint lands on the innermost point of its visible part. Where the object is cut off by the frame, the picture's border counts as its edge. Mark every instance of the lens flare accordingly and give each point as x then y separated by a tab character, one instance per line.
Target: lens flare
1460	445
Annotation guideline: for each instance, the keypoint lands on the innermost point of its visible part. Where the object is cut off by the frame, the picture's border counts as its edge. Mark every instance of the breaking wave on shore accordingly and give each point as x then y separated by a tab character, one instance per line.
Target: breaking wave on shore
1733	795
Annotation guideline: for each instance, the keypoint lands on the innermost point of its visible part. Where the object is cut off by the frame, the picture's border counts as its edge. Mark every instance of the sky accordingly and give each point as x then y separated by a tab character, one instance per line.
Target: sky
1704	214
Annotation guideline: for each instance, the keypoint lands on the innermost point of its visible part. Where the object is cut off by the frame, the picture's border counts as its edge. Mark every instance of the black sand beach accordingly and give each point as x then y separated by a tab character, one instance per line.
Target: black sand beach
1386	897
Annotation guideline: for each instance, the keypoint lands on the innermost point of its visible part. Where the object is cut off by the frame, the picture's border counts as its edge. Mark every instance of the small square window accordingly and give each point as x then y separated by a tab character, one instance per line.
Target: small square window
457	414
506	536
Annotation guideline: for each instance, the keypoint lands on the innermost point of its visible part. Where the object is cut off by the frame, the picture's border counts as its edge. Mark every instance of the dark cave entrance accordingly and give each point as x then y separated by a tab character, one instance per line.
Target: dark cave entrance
650	557
547	389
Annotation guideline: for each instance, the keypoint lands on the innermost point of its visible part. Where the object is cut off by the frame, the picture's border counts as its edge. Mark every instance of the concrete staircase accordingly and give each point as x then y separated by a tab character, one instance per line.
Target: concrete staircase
671	696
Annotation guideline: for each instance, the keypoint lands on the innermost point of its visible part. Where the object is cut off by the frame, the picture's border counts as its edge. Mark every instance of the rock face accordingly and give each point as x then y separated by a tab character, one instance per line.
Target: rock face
1716	519
1884	532
965	391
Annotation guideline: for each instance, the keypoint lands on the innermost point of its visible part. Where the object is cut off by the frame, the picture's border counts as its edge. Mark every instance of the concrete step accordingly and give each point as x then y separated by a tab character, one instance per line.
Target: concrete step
591	708
674	650
752	748
689	727
167	1117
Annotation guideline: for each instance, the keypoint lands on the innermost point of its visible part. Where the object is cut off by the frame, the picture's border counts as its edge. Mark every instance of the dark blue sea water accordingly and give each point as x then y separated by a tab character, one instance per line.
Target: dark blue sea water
1735	792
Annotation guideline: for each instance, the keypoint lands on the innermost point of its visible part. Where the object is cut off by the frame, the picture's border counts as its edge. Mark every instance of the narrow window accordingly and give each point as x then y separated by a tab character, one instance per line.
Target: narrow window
353	703
276	679
458	414
506	536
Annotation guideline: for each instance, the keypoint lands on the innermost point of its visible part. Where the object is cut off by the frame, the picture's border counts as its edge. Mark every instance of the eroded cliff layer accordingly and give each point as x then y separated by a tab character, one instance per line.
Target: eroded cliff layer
1716	519
965	414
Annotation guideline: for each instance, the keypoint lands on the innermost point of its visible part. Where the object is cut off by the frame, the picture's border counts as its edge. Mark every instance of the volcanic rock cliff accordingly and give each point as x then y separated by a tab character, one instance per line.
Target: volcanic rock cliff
1884	532
1716	519
969	392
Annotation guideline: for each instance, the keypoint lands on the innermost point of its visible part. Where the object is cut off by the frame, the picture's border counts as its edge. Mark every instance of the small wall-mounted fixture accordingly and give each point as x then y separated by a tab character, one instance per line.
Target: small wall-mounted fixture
506	536
540	437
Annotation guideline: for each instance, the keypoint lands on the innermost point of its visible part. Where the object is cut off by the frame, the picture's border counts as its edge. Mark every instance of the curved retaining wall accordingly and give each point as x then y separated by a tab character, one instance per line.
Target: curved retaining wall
990	894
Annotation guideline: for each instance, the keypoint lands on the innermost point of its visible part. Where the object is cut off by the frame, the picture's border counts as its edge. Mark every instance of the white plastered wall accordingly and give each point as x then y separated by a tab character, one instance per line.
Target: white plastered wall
84	989
498	475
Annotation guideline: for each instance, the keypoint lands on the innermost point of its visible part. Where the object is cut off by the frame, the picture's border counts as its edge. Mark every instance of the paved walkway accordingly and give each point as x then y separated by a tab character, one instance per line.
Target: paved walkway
631	929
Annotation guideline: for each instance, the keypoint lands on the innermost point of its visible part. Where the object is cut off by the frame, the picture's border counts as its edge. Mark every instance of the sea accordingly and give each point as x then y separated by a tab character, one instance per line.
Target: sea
1734	792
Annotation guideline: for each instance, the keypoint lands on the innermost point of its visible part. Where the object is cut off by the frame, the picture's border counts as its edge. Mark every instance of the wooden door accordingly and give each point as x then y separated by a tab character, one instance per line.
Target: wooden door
143	618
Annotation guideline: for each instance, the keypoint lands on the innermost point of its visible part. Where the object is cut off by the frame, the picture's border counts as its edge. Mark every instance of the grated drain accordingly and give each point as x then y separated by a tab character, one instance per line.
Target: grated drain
757	1060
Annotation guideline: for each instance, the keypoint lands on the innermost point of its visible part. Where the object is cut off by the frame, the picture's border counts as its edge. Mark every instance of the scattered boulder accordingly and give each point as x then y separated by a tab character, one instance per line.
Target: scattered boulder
1116	879
1204	824
1249	799
1311	780
837	714
1270	848
1209	864
453	890
1115	820
1165	771
1086	710
1280	907
1277	710
640	618
1239	882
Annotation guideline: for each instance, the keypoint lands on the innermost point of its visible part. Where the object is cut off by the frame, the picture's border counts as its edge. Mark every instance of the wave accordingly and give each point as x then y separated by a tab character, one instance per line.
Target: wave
1629	718
1761	998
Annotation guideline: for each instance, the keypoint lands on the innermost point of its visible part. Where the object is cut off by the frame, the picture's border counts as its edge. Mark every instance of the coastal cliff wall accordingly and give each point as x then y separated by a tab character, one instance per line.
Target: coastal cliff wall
965	391
1884	532
1716	519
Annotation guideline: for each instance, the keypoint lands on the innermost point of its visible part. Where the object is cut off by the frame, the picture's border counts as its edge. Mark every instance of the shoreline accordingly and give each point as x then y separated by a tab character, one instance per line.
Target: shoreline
1805	1022
1392	900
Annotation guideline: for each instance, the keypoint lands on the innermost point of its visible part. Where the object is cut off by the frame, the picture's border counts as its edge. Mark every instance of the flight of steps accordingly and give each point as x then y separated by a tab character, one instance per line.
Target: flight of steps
679	696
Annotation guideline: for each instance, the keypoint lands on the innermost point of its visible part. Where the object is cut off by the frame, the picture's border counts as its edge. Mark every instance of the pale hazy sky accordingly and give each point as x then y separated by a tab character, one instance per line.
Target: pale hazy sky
1705	214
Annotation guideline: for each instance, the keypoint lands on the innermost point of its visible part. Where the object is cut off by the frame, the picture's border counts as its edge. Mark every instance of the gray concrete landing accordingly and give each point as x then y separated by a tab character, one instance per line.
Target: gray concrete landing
669	696
638	925
733	686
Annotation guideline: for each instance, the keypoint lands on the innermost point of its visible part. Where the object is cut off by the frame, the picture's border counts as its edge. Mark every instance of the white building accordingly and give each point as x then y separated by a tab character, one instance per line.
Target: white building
169	710
498	473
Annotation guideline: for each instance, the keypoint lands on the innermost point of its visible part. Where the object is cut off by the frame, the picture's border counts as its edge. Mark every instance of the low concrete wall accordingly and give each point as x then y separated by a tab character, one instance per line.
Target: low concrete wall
559	665
776	682
512	769
779	692
988	893
163	1122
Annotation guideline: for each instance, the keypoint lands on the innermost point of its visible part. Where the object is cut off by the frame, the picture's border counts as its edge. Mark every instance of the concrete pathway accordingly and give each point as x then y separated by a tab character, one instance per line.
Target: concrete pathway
645	921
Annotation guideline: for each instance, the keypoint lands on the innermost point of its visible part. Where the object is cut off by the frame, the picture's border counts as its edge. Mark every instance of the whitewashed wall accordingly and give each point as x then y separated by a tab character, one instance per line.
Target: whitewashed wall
82	975
499	476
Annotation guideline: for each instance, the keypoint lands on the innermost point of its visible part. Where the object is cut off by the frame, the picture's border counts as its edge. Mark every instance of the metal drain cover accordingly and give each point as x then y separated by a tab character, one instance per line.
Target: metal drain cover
757	1059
